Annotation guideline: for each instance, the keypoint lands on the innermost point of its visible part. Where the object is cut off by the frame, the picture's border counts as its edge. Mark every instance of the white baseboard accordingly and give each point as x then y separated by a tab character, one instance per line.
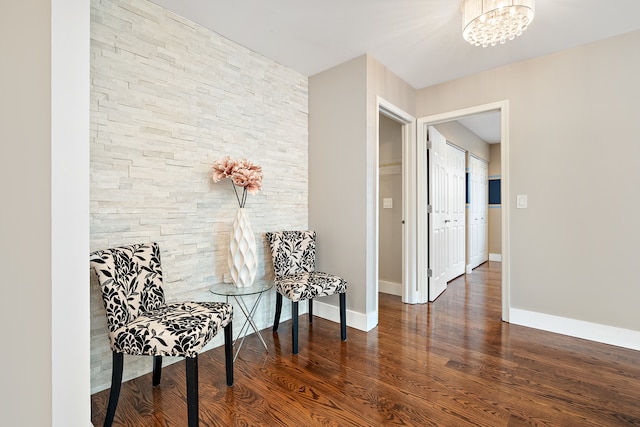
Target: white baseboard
577	328
605	334
390	288
354	320
495	257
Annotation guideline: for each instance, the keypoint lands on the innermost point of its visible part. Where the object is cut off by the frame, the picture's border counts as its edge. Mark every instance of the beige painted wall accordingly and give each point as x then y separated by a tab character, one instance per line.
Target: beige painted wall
337	174
495	162
25	247
43	223
573	129
390	186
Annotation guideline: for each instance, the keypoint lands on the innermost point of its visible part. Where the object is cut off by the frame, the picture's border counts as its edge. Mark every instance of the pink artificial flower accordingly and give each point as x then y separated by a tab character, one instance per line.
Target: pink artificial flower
253	181
240	177
224	168
242	173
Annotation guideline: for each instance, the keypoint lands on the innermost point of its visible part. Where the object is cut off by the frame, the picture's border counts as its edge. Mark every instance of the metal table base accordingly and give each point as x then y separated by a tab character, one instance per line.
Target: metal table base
230	290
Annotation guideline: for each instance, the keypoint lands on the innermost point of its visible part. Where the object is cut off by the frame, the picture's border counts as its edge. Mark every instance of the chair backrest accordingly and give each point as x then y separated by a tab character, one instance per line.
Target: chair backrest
292	251
130	278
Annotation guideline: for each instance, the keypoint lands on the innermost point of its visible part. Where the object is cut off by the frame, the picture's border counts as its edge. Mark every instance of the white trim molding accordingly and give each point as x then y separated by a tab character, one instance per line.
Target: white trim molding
495	257
354	319
390	288
577	328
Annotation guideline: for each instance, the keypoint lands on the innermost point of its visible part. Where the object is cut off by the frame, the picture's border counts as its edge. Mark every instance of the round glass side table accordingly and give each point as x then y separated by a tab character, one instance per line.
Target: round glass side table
259	287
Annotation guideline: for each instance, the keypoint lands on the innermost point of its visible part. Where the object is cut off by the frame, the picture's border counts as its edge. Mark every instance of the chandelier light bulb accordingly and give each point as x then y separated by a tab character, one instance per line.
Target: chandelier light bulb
489	22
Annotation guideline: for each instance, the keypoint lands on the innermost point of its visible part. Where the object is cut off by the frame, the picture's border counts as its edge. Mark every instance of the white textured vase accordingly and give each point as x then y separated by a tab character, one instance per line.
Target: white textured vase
243	261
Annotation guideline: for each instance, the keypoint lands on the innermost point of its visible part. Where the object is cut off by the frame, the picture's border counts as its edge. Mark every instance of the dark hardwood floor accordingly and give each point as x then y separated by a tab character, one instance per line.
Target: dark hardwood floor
450	363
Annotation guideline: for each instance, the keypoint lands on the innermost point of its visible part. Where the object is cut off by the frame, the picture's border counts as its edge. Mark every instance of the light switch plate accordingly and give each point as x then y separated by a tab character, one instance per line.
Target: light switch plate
521	201
387	203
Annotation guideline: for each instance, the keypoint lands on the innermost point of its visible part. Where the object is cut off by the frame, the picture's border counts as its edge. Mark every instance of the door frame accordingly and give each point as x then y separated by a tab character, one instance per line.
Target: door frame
422	123
409	217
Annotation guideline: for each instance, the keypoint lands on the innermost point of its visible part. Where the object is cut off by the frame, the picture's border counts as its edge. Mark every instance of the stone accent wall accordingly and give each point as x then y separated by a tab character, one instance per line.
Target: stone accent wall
169	97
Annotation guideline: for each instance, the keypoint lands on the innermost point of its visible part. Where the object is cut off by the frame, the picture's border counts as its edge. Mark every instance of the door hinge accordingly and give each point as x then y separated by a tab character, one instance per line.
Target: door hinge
429	145
429	272
429	209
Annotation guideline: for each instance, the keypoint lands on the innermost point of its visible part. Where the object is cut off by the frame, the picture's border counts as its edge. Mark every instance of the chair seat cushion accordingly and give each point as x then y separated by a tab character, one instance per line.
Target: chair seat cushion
304	286
179	329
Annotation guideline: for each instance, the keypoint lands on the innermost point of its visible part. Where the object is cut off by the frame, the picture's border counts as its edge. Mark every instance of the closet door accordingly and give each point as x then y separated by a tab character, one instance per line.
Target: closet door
456	161
477	213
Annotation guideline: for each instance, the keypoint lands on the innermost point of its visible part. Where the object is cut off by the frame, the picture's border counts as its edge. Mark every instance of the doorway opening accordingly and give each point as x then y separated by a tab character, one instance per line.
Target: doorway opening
425	261
390	205
395	236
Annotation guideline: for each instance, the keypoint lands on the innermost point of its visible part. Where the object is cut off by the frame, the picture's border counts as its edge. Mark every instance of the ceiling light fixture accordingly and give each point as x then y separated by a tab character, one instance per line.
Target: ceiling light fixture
489	22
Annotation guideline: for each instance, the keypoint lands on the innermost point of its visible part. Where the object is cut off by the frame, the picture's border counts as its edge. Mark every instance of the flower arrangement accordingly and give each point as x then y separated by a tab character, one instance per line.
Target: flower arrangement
242	173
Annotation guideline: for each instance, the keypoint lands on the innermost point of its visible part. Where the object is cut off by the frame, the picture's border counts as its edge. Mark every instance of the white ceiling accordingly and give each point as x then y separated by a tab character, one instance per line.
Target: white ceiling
418	40
485	125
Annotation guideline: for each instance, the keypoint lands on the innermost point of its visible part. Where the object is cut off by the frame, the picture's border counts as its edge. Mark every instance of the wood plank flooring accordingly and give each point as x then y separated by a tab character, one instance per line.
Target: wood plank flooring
450	363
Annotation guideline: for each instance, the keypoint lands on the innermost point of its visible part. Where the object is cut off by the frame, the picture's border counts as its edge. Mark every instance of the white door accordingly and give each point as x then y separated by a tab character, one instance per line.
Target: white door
456	160
477	213
439	201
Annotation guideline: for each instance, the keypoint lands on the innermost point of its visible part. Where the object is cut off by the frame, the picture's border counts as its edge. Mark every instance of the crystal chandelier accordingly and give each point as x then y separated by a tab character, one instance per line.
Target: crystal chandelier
489	22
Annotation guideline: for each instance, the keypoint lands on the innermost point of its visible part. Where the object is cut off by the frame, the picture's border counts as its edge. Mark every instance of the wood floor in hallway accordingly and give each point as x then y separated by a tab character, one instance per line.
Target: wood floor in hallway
449	363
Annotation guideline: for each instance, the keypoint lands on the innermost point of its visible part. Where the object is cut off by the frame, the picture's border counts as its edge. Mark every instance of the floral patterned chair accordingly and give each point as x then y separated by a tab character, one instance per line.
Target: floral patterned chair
294	265
141	323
